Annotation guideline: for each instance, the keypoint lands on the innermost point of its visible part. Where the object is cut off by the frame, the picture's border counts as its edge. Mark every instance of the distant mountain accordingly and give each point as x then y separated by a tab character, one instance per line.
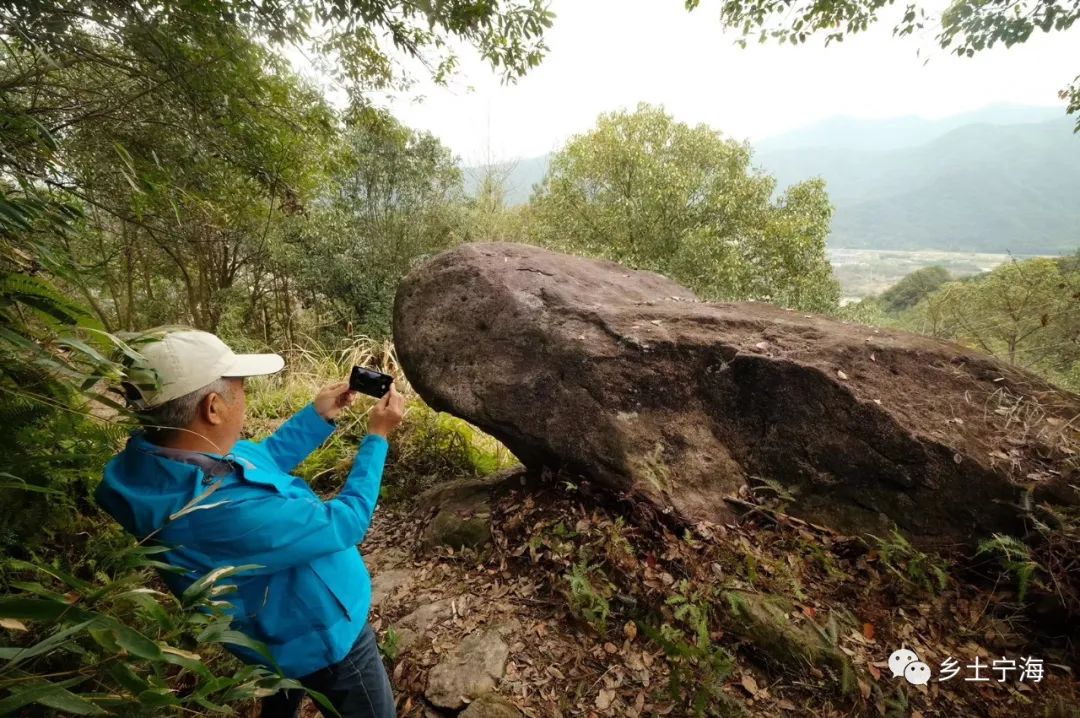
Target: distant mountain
980	187
897	132
1003	179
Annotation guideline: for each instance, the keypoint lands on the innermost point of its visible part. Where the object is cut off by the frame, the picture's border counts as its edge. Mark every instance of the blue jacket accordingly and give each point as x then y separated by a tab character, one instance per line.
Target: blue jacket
309	599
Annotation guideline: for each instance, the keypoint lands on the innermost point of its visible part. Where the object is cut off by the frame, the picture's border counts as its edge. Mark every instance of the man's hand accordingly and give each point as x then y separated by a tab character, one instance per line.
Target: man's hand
331	400
387	413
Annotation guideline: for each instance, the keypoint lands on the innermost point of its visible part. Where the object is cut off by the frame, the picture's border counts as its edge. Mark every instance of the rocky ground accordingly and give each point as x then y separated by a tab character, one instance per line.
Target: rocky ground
575	604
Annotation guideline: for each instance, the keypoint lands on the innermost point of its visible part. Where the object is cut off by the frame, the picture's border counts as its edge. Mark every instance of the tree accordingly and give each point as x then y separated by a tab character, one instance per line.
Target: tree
1026	313
964	27
183	190
150	148
488	216
654	193
394	197
912	289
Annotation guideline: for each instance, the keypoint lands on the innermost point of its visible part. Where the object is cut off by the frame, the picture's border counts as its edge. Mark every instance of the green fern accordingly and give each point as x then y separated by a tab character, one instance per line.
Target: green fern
587	596
1015	559
920	570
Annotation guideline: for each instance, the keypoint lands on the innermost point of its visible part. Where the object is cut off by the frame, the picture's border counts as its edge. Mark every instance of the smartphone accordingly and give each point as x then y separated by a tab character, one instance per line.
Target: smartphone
370	382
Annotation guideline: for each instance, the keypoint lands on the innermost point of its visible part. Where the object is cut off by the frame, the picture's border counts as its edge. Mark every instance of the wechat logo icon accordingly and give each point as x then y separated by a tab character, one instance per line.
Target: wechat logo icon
906	663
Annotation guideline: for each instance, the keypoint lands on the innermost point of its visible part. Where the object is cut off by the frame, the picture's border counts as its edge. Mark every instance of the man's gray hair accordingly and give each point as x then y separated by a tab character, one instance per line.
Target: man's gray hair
180	412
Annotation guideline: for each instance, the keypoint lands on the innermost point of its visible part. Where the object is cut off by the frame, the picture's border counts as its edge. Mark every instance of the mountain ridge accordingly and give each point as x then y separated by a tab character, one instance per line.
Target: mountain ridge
979	182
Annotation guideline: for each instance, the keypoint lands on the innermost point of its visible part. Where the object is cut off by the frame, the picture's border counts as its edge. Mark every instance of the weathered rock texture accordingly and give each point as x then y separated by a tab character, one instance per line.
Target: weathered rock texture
491	705
765	621
472	669
458	513
625	377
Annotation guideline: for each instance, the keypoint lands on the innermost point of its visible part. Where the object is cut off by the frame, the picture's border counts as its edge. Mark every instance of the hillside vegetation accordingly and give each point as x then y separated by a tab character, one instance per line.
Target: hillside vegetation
1000	180
162	164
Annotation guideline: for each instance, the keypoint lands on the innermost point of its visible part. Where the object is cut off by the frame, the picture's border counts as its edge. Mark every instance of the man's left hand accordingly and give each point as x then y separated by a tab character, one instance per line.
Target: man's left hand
331	400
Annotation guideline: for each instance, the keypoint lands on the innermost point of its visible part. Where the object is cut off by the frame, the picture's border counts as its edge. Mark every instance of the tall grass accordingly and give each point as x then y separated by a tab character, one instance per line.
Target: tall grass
427	448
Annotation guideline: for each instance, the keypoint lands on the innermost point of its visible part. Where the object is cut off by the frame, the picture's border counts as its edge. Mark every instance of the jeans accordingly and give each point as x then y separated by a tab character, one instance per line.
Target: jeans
357	686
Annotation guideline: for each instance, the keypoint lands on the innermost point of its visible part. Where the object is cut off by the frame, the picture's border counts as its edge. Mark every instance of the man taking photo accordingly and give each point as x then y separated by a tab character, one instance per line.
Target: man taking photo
187	481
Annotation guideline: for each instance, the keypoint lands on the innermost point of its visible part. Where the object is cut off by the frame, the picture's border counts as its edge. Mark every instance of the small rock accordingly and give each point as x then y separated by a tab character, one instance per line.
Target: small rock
459	530
425	616
383	583
462	511
491	705
385	559
406	639
473	668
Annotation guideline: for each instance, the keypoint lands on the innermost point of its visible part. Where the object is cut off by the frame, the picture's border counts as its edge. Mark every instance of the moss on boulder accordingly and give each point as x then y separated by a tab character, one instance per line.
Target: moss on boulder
765	622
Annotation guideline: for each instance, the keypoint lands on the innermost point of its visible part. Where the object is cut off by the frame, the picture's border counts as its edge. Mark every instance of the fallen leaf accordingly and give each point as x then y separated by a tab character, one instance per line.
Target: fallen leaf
604	699
630	630
749	684
12	625
868	630
611	648
841	374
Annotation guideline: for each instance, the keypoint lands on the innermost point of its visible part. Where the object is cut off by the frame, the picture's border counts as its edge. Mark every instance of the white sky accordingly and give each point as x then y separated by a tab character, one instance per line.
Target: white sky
611	54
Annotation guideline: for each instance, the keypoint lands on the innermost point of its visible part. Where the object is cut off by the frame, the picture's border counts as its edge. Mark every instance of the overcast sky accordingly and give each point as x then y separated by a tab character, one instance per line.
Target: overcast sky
611	54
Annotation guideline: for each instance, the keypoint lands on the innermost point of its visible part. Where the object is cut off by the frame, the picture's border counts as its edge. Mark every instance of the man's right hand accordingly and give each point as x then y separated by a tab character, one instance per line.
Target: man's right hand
386	415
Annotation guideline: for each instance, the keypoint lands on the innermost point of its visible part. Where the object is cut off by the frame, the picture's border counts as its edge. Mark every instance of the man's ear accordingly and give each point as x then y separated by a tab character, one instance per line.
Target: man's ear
214	409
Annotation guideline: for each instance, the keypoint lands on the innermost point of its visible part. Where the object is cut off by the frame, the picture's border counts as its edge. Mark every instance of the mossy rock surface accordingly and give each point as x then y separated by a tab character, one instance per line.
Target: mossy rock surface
450	528
765	622
460	511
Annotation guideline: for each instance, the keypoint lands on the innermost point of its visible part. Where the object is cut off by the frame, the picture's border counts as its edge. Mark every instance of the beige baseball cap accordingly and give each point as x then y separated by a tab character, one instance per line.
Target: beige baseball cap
187	359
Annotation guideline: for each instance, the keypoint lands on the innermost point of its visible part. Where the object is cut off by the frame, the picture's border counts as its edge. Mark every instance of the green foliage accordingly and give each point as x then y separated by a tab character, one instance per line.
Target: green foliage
170	161
965	27
699	668
1023	312
427	448
390	646
914	568
361	37
392	199
158	160
110	645
433	447
1016	560
912	289
653	193
588	591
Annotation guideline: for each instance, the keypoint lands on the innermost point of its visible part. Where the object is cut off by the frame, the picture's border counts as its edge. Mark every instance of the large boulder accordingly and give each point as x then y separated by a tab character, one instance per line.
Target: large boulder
627	378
